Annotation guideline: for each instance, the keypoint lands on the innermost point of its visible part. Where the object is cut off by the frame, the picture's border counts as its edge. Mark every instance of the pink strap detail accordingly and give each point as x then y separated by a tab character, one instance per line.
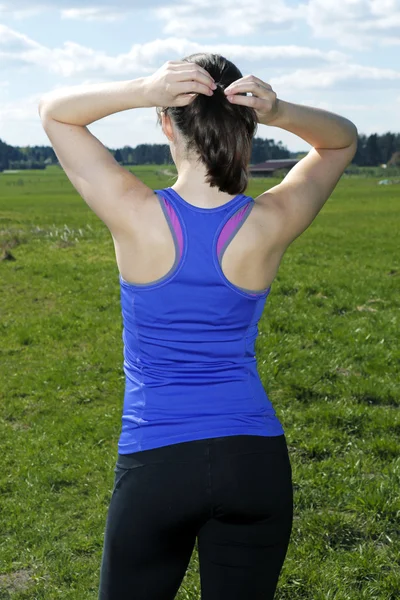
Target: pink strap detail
175	224
230	226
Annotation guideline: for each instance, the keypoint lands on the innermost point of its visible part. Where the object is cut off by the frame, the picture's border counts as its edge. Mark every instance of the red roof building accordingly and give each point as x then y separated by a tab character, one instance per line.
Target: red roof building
267	168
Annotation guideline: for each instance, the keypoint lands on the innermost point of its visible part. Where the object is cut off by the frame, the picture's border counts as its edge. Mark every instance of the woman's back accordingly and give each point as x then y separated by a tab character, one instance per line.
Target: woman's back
189	332
147	252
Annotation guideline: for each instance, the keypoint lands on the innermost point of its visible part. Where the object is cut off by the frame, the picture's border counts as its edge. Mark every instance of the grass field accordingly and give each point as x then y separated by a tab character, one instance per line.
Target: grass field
328	356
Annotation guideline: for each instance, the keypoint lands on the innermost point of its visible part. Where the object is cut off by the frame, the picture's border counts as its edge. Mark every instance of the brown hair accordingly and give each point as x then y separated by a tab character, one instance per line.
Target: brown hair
219	132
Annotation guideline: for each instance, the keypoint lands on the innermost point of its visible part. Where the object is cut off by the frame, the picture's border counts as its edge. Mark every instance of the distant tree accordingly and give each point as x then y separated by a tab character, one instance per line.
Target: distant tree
373	156
372	151
387	144
118	156
7	153
265	149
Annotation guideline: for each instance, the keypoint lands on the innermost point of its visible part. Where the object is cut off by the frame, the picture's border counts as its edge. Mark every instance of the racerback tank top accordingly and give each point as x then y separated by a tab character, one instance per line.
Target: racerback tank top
189	339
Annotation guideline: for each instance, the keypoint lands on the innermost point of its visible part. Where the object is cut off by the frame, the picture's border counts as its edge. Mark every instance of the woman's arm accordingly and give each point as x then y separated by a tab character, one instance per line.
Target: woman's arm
176	83
114	193
294	203
320	128
304	191
84	104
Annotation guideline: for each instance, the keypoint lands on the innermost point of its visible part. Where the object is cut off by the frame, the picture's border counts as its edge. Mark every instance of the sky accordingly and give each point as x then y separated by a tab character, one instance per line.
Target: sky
339	55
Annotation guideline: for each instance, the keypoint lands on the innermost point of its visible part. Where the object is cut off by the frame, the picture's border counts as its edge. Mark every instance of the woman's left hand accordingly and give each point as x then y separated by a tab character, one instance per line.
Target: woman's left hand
177	83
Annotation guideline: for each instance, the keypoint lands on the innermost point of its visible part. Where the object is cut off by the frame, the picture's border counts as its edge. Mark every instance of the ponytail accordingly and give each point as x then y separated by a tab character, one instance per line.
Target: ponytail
219	132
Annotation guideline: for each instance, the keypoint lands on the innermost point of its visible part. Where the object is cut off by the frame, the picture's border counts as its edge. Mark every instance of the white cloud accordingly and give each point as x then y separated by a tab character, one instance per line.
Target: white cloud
97	10
383	7
4	89
20	10
14	41
22	109
356	24
72	59
230	17
310	68
390	42
195	17
338	77
92	14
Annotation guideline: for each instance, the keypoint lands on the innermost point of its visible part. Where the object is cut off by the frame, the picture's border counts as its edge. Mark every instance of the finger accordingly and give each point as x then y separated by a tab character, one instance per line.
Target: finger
185	65
200	69
256	79
246	85
249	84
252	101
187	87
201	77
196	75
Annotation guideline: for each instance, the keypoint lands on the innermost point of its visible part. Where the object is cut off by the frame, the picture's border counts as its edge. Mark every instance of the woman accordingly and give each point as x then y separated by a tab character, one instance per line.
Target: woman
202	455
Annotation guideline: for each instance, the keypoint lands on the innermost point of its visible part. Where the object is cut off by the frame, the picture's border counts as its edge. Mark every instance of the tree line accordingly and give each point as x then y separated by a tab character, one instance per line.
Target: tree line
373	150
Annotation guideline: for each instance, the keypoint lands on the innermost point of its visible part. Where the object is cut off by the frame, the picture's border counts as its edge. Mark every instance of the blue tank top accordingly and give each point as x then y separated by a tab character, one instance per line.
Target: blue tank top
189	339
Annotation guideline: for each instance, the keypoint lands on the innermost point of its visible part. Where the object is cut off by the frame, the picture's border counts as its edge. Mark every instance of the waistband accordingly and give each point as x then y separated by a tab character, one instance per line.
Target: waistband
200	449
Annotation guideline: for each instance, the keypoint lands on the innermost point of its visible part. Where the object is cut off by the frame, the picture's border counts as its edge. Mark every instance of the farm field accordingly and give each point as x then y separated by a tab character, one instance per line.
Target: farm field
328	356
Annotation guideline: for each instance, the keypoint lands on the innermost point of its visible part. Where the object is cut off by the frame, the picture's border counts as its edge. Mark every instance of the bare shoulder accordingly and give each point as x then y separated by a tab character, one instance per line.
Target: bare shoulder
138	214
293	204
269	221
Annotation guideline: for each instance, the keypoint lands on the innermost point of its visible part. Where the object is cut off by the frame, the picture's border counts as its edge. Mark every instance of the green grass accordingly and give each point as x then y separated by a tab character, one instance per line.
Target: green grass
328	356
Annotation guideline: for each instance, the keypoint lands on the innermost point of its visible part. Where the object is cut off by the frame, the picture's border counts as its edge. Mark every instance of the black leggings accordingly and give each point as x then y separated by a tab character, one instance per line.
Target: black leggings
233	495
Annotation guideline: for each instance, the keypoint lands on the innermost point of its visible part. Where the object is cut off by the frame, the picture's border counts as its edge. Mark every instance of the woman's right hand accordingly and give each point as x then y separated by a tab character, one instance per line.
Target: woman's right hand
263	100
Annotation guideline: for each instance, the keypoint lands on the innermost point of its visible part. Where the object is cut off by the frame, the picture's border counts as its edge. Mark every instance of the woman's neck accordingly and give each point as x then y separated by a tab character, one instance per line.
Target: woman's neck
193	188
